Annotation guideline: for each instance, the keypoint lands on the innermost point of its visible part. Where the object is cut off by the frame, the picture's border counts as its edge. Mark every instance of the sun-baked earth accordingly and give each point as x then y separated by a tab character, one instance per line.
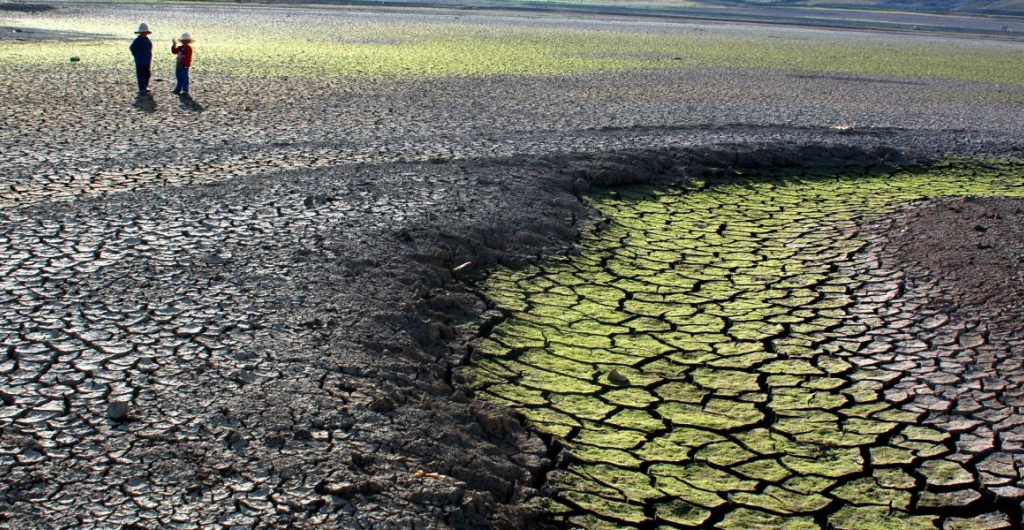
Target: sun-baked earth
248	308
739	354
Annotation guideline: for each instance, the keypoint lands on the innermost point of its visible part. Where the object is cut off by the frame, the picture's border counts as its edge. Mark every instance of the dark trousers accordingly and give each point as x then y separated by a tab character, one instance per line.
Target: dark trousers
142	73
181	74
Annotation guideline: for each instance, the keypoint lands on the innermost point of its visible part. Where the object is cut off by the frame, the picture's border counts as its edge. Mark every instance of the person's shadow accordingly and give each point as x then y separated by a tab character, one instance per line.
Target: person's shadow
145	102
187	103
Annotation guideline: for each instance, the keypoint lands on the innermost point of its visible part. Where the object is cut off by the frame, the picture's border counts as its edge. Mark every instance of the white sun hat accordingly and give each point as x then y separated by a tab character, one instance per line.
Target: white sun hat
143	28
185	37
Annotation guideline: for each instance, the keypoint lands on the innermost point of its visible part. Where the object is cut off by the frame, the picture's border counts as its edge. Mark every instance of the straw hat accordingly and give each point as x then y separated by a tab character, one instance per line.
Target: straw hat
143	28
185	37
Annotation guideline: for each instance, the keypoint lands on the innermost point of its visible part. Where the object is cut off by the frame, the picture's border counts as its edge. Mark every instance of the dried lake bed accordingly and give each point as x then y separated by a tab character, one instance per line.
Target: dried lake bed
257	310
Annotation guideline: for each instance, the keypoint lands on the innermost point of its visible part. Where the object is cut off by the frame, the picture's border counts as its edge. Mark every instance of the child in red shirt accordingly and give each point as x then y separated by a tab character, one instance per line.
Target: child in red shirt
184	62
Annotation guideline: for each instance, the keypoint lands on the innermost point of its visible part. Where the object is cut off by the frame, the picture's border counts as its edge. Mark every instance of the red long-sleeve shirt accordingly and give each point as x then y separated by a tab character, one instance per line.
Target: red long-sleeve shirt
184	53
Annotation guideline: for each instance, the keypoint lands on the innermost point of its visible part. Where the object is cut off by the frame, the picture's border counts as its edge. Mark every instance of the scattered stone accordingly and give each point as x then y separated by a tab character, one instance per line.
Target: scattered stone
616	378
117	410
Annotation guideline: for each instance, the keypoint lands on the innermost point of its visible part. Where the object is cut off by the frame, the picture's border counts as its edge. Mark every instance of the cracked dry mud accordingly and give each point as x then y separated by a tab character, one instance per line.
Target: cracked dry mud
248	315
744	355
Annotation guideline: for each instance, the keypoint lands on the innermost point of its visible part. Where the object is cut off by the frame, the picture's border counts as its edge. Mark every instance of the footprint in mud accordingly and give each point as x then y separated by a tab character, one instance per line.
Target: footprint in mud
708	360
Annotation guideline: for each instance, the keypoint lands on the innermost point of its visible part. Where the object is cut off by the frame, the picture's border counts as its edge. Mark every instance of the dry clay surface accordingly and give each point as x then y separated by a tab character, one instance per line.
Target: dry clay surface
244	312
745	356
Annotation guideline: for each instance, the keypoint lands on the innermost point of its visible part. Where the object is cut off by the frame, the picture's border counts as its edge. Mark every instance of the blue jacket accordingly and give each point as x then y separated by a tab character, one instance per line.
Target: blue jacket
142	50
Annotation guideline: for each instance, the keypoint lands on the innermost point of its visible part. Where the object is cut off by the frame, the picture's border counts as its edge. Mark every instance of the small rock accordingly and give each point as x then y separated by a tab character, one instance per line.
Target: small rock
6	398
117	410
615	377
460	397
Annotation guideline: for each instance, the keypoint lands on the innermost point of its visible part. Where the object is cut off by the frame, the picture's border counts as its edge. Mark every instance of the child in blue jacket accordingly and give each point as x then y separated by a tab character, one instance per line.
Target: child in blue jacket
142	50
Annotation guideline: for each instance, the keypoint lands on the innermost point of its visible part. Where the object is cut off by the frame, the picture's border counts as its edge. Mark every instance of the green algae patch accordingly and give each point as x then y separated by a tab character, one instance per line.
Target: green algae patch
695	385
945	473
745	519
882	518
682	513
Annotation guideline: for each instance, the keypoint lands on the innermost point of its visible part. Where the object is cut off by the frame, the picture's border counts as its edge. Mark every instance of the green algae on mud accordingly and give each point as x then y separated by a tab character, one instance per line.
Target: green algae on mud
441	46
730	315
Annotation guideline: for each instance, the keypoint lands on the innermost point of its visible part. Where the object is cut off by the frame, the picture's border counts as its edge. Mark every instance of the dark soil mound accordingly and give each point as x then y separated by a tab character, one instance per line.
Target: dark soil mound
974	245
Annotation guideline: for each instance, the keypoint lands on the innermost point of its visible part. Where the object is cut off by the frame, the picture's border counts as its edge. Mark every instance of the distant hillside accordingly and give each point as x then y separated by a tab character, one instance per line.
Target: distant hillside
1000	7
990	7
1004	7
1003	18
